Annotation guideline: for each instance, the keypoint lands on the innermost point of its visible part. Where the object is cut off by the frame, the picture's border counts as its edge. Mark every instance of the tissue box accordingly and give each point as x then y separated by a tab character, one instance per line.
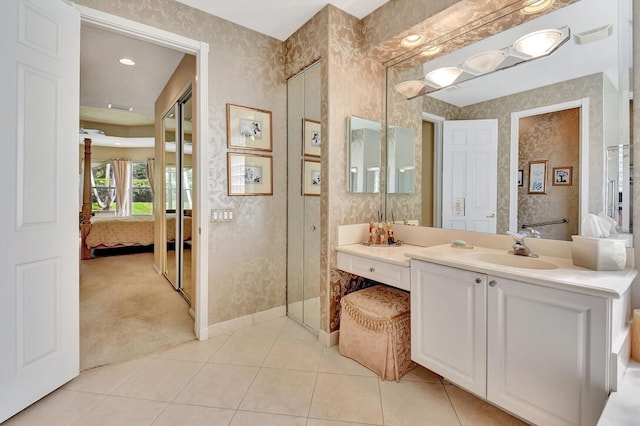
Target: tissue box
600	254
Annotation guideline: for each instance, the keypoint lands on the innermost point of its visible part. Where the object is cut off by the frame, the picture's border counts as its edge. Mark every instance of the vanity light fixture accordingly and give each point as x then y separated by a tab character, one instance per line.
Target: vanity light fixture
127	61
485	62
431	50
539	43
412	40
443	77
410	88
535	6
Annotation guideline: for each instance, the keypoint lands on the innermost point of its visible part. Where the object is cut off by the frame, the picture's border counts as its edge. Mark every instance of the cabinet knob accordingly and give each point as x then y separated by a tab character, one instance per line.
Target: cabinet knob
372	269
493	283
478	280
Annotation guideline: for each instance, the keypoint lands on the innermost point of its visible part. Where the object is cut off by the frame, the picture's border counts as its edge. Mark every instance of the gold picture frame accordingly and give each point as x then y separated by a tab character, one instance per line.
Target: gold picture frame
249	174
311	179
312	138
248	128
538	177
562	176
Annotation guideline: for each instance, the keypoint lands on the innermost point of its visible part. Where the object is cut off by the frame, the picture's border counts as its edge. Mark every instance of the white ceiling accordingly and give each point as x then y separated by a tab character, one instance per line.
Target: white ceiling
278	18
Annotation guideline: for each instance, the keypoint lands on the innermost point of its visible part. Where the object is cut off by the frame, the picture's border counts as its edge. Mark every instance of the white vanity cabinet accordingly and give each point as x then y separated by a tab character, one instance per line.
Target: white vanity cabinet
537	352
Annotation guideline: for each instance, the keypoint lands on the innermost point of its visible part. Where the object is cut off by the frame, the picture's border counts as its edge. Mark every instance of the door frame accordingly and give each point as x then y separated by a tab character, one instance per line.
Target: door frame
200	50
583	105
438	123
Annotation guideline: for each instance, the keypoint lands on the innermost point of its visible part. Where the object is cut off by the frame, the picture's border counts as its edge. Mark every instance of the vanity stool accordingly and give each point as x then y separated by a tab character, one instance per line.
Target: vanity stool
375	330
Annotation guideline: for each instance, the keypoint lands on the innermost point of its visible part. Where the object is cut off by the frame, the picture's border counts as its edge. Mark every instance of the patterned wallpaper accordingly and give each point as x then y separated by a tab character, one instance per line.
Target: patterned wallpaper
553	137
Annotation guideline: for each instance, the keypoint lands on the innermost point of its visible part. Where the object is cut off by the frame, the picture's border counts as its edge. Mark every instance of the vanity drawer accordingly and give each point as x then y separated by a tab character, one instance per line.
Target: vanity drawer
386	273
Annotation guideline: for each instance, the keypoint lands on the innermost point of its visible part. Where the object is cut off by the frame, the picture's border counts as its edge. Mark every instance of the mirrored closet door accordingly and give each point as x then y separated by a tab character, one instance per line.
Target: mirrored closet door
177	123
303	217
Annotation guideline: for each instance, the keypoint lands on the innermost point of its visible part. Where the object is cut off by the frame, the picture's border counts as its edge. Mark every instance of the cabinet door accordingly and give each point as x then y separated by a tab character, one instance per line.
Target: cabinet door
547	357
448	323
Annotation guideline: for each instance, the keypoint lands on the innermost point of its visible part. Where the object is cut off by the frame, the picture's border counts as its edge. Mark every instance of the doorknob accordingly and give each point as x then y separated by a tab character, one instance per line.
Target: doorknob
492	215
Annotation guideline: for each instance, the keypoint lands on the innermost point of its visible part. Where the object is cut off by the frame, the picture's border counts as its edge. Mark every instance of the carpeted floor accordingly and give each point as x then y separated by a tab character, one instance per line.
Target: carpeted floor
128	310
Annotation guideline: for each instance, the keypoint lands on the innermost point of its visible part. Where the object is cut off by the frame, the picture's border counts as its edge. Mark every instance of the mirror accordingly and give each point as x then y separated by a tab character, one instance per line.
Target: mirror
589	72
401	164
365	148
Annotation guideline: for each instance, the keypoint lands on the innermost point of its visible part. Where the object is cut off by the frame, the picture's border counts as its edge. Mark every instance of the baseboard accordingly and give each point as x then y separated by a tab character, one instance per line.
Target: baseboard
232	325
329	339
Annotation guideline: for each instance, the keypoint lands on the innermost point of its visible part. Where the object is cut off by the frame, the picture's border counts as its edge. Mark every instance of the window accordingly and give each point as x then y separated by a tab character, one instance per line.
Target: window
171	185
103	189
141	193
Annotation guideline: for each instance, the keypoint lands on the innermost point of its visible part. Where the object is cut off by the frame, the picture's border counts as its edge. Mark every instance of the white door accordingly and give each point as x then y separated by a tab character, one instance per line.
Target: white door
448	323
469	175
40	45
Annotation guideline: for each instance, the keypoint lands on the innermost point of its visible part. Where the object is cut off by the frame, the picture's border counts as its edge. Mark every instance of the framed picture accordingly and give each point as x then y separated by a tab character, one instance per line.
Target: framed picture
312	139
310	177
538	177
520	177
249	174
562	176
248	128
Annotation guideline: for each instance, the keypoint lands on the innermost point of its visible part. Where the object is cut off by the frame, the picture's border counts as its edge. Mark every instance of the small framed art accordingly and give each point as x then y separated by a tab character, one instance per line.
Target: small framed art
312	139
538	177
249	174
248	128
562	176
311	179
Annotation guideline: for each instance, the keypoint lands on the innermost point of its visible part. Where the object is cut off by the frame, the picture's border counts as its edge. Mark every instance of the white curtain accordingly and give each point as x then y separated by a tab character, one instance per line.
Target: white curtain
151	164
122	174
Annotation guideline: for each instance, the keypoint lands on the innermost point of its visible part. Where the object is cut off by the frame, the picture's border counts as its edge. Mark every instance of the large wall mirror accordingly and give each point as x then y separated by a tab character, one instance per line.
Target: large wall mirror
514	141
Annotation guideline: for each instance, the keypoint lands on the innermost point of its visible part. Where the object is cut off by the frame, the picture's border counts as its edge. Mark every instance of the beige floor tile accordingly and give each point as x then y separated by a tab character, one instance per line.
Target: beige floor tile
107	379
159	380
322	422
196	350
473	411
292	330
333	362
247	418
295	355
218	385
193	415
266	330
411	403
347	398
62	407
421	374
280	392
243	350
117	411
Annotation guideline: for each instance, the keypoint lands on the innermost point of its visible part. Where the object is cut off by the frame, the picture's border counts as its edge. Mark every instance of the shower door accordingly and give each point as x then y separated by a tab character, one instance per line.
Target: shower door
177	123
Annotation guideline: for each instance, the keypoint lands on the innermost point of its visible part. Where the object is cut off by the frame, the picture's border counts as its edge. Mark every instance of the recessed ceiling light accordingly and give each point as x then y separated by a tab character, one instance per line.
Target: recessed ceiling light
444	76
535	6
412	40
431	50
127	61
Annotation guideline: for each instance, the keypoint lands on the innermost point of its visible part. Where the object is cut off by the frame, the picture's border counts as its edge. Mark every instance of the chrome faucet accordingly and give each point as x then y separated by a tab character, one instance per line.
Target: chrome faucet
519	247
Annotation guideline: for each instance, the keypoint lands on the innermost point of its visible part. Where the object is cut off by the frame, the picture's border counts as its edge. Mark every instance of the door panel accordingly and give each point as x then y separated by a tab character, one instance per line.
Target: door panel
39	294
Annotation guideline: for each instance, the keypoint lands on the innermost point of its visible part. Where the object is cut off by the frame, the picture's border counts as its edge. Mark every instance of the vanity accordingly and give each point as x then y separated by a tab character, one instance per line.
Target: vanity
538	337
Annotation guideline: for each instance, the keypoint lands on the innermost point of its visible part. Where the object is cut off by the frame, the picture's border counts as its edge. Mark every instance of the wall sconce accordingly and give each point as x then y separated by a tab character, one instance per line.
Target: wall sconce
527	48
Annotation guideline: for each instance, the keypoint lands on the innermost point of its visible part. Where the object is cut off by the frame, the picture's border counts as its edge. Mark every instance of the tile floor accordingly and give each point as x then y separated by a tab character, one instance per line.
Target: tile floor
274	373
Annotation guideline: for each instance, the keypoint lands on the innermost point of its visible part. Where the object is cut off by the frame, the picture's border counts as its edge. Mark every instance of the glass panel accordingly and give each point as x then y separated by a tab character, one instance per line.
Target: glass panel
171	194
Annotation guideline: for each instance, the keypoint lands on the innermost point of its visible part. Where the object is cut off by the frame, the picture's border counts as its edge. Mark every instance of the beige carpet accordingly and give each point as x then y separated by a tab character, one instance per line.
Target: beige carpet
127	310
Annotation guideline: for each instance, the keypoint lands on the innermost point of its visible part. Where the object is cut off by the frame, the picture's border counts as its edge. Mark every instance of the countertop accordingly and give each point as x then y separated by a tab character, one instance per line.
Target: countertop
566	276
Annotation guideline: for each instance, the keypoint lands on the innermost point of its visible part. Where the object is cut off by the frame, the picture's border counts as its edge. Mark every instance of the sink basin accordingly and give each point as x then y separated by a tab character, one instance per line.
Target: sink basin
512	260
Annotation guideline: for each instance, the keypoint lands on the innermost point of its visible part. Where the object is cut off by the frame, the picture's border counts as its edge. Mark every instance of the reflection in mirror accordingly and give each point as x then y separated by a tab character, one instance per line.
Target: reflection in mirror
365	150
171	194
401	162
589	72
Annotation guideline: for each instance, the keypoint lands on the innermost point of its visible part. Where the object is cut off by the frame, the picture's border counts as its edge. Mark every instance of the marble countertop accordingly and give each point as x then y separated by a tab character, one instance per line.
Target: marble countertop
390	254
